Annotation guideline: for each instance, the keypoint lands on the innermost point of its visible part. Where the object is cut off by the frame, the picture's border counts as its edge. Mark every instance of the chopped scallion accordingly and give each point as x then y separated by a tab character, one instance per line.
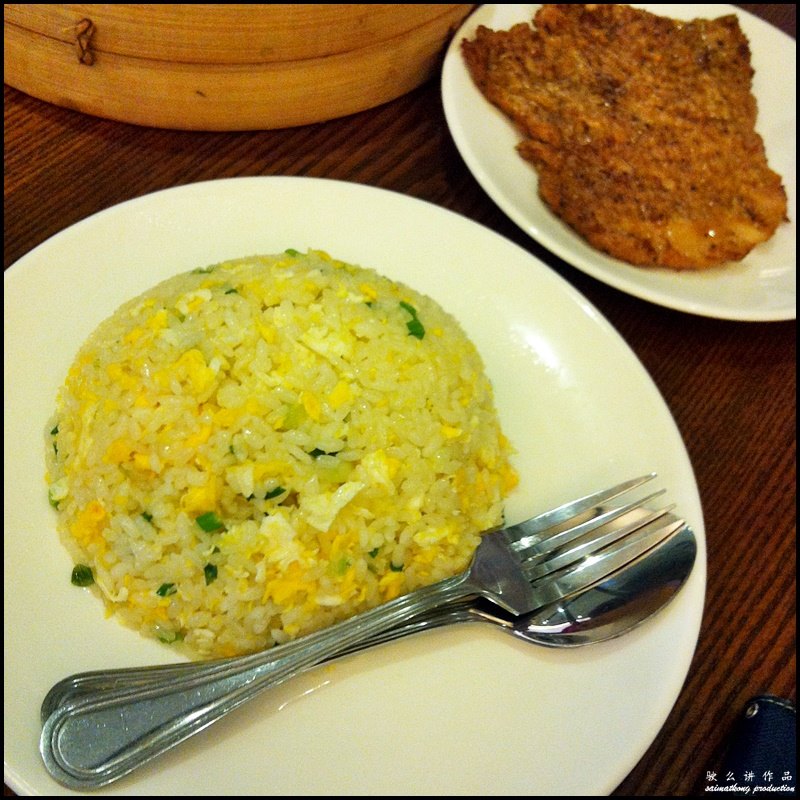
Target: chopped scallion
341	566
415	327
210	571
209	522
82	575
316	453
166	589
276	492
170	637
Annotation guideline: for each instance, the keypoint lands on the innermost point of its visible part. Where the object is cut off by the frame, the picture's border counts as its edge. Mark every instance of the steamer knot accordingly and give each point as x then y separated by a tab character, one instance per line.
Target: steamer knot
84	31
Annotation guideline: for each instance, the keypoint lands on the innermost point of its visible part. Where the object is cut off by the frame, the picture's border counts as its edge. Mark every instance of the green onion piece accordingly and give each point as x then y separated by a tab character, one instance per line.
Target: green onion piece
341	566
57	492
292	252
316	453
82	575
277	491
373	553
415	327
147	516
170	637
210	571
166	589
209	522
54	431
231	291
393	568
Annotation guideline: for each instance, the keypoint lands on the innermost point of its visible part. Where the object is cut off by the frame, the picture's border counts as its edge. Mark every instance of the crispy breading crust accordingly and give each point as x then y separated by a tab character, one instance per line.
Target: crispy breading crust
641	129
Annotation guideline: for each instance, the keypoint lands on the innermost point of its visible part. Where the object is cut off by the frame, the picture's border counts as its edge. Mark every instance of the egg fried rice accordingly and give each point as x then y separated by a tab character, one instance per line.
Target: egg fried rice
255	450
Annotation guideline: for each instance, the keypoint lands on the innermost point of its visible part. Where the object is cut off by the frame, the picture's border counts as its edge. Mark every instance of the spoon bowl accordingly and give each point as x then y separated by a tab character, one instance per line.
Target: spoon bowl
620	603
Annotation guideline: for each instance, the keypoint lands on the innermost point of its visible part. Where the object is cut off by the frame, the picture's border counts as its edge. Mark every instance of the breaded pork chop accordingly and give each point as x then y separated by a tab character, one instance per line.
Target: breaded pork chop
641	129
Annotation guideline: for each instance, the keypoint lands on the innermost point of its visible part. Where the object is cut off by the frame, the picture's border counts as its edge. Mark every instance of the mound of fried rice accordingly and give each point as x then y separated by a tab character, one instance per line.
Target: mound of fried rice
258	449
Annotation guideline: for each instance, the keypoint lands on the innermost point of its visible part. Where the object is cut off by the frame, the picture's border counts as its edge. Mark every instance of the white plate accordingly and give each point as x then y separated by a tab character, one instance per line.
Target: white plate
761	287
455	712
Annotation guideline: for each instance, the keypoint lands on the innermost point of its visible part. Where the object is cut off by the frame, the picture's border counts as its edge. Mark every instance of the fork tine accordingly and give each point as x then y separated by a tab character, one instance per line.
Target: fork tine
586	545
528	533
547	544
596	567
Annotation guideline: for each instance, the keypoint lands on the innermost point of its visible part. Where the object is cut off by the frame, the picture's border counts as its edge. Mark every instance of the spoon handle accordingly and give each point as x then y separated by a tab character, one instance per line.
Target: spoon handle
101	736
88	684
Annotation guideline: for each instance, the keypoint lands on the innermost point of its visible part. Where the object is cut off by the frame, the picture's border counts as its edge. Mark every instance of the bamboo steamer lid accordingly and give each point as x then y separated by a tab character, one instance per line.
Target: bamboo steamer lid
224	67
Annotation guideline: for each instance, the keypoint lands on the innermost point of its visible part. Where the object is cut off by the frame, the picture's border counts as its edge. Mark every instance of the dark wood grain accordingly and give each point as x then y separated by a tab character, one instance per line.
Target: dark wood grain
730	386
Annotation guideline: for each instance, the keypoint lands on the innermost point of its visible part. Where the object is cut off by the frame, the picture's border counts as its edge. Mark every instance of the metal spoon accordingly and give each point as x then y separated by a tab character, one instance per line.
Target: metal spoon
610	609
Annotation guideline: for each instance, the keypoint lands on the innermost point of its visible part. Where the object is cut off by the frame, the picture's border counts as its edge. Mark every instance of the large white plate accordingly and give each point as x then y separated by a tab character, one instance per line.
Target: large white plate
761	287
464	711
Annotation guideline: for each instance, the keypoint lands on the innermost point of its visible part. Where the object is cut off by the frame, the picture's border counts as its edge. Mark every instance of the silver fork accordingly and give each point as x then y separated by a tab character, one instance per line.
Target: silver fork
94	739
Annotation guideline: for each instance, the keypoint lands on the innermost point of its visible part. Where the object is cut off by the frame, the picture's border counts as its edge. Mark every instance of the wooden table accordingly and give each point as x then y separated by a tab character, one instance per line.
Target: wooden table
729	385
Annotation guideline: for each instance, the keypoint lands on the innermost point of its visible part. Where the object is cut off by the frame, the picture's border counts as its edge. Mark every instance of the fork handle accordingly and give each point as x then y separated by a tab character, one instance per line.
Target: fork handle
98	738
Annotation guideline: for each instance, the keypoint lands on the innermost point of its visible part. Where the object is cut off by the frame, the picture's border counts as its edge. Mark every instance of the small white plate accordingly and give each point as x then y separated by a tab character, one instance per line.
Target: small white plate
762	287
459	711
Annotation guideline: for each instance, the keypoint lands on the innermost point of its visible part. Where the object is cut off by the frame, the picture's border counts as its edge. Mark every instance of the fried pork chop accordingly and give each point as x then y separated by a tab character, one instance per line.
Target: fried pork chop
641	129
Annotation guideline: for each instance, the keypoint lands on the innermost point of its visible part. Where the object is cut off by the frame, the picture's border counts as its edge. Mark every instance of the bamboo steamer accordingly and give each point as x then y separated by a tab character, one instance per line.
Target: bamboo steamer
224	67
